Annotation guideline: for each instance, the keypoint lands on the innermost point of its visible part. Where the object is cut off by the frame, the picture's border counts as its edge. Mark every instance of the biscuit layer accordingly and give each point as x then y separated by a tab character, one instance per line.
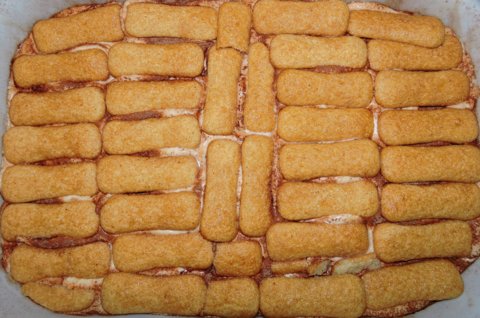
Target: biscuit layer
242	258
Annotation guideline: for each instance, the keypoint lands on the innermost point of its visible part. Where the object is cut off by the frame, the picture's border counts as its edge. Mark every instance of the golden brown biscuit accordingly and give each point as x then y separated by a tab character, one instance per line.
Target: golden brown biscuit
131	97
234	22
81	66
96	25
124	293
29	263
315	124
404	127
414	29
290	240
76	219
404	89
159	20
243	258
384	55
394	242
332	296
135	253
127	137
355	265
353	89
301	200
259	108
179	59
29	183
255	199
170	211
298	266
402	202
70	106
398	285
117	174
237	297
421	164
59	298
328	17
220	112
23	144
219	216
358	158
300	51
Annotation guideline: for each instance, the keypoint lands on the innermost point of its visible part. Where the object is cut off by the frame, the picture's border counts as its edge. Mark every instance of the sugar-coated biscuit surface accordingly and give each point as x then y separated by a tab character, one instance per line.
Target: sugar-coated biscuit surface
328	17
403	202
76	219
81	66
169	211
297	266
134	253
124	293
160	20
302	200
234	23
394	242
130	97
97	25
59	298
298	87
291	240
29	263
242	258
23	183
70	106
332	296
398	285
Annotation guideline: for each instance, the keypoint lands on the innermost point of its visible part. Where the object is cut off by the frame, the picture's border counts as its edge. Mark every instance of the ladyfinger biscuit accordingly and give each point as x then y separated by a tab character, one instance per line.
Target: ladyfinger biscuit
170	211
219	217
328	17
398	285
124	293
298	266
29	263
301	200
131	97
395	242
259	108
404	127
332	296
179	59
300	51
384	55
358	158
73	219
134	253
234	23
70	106
126	137
29	183
356	265
421	164
420	30
243	258
238	297
314	124
291	240
159	20
404	89
81	66
353	89
402	202
255	199
24	144
220	113
97	25
118	174
59	298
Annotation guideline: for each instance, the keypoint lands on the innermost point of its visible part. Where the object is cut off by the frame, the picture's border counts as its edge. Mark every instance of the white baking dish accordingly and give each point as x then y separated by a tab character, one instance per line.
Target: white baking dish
17	18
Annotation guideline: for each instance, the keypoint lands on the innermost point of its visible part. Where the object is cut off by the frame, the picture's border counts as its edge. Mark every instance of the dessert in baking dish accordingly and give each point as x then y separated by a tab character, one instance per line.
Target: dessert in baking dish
234	159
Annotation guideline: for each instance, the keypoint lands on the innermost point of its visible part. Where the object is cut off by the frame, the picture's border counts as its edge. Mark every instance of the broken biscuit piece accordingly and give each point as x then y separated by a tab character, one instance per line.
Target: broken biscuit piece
356	265
234	22
242	258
